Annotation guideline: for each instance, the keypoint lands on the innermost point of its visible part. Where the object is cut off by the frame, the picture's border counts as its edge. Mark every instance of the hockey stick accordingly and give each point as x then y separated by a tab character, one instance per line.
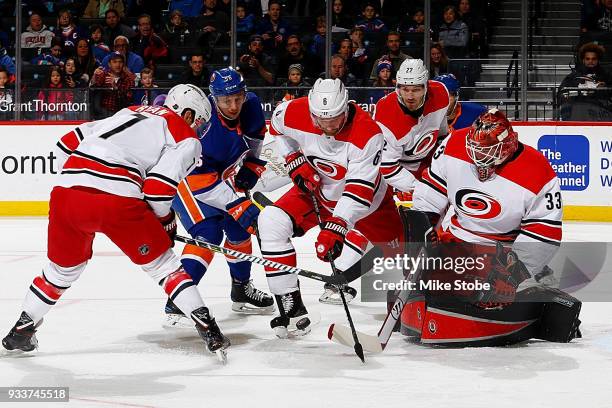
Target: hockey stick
357	346
354	272
376	344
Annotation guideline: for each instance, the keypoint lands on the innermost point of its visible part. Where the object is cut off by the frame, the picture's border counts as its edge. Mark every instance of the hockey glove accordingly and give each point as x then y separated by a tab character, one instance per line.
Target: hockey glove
249	174
302	173
169	224
245	213
331	238
503	280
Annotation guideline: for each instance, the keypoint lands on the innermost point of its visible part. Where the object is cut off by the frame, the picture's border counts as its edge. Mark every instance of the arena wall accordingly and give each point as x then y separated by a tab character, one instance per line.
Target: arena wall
581	153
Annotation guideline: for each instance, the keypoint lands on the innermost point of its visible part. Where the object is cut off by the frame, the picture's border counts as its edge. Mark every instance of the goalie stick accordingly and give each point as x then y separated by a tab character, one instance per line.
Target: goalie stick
352	273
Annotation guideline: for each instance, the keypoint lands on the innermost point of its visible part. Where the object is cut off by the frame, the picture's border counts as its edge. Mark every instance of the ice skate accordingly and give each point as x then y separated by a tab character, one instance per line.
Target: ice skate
175	318
22	335
250	300
331	296
208	329
294	319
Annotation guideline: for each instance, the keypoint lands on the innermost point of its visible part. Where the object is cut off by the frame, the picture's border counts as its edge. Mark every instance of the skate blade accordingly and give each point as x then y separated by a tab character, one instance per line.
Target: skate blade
221	356
20	351
176	321
330	297
248	309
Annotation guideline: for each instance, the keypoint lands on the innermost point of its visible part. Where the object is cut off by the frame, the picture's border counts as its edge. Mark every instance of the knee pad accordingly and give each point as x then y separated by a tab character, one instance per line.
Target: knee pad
198	254
176	282
61	276
162	266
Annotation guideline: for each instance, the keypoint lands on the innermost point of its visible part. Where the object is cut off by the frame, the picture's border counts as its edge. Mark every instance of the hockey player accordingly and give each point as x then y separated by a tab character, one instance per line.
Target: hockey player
460	114
332	150
496	190
118	177
411	119
207	202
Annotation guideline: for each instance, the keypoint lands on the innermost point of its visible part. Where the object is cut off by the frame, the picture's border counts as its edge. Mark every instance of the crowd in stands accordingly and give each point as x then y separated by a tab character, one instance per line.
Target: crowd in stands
124	45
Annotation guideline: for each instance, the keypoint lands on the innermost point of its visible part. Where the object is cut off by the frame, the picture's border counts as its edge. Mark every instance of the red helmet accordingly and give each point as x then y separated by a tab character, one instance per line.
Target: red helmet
490	142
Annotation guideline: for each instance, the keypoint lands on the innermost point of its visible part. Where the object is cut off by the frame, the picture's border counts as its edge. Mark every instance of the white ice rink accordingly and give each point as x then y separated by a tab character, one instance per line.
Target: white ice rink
104	340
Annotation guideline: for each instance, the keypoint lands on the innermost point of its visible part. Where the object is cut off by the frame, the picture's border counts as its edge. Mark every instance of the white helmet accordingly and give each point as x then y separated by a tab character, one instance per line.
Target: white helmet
186	96
412	72
328	98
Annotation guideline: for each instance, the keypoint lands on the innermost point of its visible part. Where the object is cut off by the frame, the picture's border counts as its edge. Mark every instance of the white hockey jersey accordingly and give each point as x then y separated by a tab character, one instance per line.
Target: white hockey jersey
141	152
410	139
348	163
520	204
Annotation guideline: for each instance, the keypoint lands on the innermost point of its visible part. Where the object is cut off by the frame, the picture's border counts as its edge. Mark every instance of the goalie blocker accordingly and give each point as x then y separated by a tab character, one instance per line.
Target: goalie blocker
538	312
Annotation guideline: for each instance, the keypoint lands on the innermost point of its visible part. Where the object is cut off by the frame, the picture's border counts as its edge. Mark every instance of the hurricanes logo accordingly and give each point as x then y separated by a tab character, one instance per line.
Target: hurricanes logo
327	167
423	145
432	326
477	204
143	249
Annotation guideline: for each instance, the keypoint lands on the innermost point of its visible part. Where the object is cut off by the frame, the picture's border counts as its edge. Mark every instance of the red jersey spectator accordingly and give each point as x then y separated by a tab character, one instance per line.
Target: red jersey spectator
149	45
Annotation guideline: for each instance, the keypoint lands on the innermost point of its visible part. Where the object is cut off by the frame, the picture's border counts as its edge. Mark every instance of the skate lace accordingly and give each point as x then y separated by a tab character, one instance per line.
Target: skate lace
288	302
254	293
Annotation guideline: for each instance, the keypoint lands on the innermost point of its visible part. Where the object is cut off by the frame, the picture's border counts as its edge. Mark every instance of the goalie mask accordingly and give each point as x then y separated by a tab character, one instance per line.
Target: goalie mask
490	142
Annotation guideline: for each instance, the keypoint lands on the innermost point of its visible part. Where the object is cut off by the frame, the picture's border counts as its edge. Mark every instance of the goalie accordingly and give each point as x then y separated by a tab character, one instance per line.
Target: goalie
497	191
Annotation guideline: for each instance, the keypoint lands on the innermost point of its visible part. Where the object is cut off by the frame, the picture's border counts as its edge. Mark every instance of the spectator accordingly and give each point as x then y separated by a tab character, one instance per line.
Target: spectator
415	24
68	32
359	63
176	30
85	62
274	30
134	62
52	56
7	62
340	20
318	42
98	8
294	80
256	66
453	34
189	8
197	74
601	19
345	49
6	94
476	28
214	26
114	27
245	22
384	74
339	70
54	95
36	35
394	54
370	23
72	79
438	64
146	93
99	47
119	82
149	45
587	74
295	54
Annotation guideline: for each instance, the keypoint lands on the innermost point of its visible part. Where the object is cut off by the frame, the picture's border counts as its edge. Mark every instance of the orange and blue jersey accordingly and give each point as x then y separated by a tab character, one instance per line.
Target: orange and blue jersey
467	112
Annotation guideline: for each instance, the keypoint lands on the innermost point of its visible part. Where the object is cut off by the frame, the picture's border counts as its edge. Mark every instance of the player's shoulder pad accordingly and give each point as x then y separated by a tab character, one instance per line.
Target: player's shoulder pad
472	108
530	169
387	102
361	129
455	145
178	128
297	115
437	97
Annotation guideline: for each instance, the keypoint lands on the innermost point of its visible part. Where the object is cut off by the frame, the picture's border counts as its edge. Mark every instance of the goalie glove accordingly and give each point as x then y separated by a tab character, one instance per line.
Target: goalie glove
331	238
248	175
506	276
304	176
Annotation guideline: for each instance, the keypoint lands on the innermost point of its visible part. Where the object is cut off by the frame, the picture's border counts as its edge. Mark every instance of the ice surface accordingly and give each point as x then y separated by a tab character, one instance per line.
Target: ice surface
104	340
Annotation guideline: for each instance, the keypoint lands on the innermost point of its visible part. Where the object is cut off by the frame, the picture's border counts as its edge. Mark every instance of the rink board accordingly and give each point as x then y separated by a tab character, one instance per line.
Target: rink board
581	153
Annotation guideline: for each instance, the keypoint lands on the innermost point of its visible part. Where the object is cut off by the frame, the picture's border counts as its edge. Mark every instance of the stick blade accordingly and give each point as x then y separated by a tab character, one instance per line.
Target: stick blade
342	335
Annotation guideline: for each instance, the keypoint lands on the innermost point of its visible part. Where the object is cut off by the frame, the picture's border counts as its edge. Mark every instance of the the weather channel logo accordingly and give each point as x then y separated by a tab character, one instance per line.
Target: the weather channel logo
569	157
